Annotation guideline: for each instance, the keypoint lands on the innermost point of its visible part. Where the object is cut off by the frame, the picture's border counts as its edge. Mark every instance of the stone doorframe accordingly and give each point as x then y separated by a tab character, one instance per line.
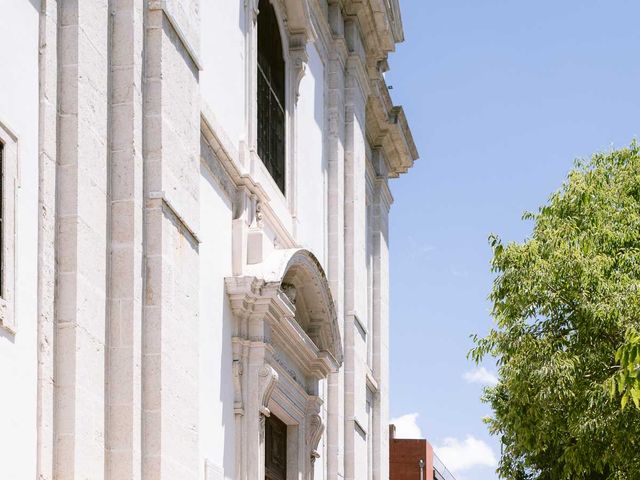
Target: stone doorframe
277	363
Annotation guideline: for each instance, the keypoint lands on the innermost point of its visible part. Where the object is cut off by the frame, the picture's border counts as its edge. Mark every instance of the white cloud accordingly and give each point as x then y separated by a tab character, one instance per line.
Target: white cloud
406	426
481	375
463	455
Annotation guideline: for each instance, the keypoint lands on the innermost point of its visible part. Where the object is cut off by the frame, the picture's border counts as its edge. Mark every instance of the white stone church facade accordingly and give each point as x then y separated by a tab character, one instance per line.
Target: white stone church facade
194	238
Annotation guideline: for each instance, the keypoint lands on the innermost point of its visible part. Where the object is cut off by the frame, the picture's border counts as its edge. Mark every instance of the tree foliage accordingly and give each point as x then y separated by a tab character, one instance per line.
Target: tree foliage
566	306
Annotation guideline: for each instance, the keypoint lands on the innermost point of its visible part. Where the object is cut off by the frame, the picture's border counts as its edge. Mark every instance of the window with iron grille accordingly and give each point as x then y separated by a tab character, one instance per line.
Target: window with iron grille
271	94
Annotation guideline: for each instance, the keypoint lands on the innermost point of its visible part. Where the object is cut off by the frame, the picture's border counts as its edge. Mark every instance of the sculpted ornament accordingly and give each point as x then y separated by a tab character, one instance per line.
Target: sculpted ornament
290	291
315	429
252	7
299	61
238	406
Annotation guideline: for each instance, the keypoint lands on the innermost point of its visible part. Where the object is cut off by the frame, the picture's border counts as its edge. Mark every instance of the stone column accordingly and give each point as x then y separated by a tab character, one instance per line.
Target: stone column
170	342
335	265
355	297
81	243
124	381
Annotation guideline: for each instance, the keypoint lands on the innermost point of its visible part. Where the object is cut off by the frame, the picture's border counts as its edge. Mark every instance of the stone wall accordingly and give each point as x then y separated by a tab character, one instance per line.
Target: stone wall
139	192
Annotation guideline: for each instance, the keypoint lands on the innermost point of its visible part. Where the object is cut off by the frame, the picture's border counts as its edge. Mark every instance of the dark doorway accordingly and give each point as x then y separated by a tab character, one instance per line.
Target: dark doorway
275	458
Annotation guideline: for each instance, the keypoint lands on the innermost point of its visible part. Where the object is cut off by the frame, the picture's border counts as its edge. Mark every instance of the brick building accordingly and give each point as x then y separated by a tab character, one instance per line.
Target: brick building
413	459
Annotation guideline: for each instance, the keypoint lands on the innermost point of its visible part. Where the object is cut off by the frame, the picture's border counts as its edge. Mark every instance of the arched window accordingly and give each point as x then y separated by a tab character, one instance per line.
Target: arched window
271	94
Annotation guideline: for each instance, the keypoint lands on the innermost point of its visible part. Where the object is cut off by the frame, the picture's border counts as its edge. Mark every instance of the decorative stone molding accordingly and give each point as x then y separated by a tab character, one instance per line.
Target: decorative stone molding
317	348
286	338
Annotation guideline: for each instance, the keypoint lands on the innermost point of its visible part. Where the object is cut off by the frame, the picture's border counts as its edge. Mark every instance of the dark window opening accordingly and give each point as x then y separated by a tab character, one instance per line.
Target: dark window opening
271	86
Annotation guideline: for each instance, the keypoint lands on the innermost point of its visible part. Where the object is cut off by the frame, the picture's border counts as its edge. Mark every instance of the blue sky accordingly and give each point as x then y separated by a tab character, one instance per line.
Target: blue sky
501	97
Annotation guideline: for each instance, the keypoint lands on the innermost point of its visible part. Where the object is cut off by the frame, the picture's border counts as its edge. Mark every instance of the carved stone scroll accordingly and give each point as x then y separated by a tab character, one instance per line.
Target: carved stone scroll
268	378
299	59
315	429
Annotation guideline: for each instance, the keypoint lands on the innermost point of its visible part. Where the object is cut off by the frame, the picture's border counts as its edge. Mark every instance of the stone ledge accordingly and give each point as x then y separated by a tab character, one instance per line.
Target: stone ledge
168	10
160	197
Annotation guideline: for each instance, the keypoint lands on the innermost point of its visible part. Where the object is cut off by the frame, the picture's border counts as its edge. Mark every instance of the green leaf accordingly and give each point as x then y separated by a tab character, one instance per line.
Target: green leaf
635	395
566	335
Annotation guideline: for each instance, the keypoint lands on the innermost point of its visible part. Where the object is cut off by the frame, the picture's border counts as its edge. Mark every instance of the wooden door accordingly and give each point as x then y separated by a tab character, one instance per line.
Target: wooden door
275	458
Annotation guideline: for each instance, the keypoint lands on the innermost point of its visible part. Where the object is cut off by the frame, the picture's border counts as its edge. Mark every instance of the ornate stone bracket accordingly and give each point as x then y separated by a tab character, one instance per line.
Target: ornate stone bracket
299	60
315	429
267	378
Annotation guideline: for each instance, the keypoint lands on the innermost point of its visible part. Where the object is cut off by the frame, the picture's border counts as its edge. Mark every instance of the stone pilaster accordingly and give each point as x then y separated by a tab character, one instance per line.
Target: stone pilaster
170	340
81	240
124	380
381	205
335	265
48	71
355	296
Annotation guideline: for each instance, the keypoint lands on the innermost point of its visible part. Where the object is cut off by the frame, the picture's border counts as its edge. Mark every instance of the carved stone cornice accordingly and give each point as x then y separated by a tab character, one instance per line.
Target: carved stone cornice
380	22
388	129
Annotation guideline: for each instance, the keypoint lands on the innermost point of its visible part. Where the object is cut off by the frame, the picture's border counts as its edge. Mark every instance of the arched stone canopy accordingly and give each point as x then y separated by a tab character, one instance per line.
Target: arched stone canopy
286	339
298	274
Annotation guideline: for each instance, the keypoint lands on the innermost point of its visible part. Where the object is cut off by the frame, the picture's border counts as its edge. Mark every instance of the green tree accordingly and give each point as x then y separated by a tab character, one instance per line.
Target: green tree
566	307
